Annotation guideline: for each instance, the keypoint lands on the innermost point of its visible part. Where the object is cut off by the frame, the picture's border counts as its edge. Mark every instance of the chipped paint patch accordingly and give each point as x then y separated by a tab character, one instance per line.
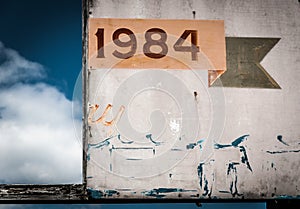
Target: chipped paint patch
174	125
193	145
95	194
98	194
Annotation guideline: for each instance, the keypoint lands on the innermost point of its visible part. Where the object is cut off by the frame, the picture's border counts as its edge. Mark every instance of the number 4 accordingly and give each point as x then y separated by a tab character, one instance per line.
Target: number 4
193	48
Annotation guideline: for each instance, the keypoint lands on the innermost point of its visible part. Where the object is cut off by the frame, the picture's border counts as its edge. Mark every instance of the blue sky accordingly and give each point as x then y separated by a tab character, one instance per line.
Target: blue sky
40	60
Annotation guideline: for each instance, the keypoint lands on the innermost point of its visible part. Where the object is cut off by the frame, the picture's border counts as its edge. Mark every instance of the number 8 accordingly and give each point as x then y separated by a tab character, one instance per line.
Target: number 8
159	42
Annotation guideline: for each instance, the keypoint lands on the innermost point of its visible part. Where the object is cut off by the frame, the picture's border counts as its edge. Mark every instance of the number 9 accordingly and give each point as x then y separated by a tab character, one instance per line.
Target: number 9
132	43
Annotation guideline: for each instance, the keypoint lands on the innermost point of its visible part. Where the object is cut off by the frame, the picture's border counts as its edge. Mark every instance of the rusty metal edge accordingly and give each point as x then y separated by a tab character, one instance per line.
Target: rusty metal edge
85	16
18	193
75	194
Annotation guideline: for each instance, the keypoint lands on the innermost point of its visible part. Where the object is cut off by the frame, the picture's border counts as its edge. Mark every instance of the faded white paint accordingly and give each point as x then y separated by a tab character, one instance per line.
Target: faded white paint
264	114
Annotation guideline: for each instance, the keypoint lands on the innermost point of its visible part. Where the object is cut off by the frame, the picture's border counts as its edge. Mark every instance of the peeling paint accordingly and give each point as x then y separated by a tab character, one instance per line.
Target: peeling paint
95	194
98	194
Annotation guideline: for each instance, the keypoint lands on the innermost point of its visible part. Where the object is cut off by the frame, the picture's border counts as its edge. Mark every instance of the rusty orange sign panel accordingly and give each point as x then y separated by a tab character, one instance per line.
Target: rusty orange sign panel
158	44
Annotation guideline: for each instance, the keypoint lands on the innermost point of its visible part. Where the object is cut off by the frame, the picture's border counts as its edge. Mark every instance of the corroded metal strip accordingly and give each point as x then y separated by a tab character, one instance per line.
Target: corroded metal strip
243	57
67	192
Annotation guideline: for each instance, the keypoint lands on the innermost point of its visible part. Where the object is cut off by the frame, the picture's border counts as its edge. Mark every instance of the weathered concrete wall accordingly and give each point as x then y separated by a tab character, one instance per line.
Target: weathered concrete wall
267	165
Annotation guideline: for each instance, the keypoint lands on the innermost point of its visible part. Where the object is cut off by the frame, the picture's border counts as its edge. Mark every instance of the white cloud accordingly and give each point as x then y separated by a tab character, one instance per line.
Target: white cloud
37	136
14	68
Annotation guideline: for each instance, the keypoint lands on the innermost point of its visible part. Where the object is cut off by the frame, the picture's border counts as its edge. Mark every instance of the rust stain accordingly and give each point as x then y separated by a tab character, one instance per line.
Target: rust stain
101	119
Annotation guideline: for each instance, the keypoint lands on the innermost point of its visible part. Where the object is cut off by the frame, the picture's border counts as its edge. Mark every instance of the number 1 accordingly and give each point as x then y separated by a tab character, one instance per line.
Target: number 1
100	42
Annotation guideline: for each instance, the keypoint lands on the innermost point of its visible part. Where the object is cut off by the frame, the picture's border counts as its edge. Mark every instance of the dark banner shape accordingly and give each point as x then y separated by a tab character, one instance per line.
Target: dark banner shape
243	57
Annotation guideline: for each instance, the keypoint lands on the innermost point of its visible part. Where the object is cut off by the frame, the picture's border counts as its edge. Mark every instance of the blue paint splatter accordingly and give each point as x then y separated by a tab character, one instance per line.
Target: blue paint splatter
101	144
160	192
206	191
221	146
124	142
95	194
131	148
244	157
110	151
239	140
279	138
153	194
111	192
221	191
283	151
242	149
149	136
233	184
231	167
203	181
97	146
98	194
193	145
174	149
288	197
200	173
133	159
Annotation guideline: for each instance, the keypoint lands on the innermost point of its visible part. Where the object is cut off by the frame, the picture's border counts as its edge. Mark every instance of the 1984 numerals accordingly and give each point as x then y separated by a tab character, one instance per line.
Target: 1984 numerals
149	41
